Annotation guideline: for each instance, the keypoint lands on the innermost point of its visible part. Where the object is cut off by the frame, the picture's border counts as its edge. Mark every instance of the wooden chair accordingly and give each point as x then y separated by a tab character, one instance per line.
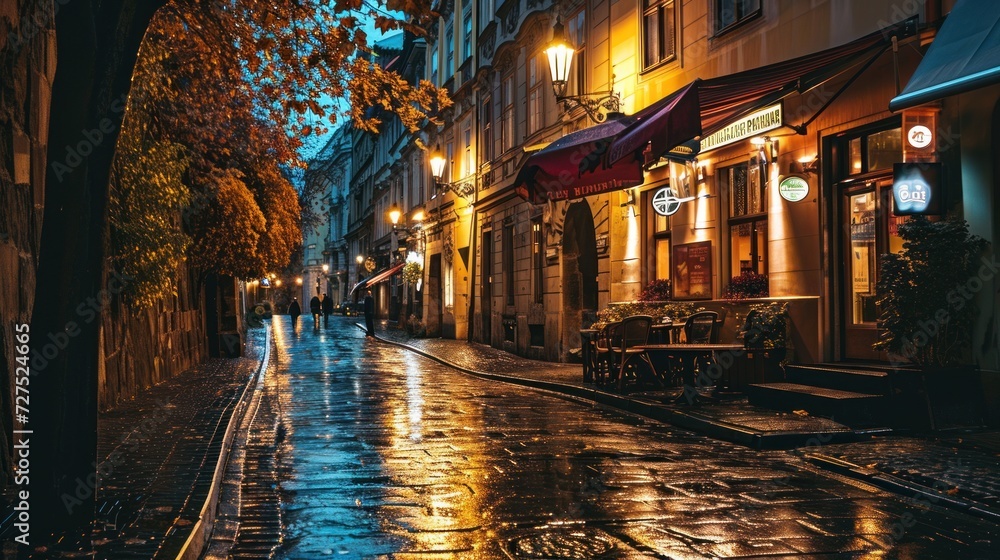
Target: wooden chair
702	328
609	337
635	332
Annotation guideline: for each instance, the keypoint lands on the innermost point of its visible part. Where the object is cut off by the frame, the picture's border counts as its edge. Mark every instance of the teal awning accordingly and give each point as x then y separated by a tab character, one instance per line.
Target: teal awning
964	56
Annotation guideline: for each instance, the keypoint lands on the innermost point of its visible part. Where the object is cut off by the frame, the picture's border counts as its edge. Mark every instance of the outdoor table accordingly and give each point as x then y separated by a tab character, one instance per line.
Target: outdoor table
588	338
687	355
667	333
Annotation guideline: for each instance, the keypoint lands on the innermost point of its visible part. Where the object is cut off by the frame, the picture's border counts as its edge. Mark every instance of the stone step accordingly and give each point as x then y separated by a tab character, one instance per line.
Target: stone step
847	407
869	381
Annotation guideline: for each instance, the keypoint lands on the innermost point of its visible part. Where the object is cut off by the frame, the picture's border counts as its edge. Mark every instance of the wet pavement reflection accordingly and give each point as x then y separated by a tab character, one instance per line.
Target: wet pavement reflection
390	455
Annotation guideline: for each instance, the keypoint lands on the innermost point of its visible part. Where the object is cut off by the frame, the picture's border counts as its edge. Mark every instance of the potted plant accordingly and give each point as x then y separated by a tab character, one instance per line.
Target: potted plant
924	298
765	338
656	290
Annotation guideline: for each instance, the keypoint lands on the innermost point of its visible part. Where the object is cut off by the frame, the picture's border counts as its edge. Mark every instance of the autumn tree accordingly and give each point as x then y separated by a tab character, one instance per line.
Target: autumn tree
289	54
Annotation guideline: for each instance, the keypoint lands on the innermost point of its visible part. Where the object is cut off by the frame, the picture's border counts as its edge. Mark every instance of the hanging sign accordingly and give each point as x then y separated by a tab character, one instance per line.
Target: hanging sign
666	203
916	189
793	188
754	124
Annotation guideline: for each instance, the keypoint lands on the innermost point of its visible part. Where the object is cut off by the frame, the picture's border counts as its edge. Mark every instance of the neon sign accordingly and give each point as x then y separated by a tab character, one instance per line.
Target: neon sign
916	188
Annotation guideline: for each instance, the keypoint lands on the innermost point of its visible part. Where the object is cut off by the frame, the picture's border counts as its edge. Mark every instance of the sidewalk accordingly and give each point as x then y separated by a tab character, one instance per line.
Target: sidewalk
959	471
162	452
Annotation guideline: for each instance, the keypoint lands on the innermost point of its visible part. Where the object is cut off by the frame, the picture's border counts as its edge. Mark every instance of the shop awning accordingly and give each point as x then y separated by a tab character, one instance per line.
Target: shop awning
612	155
964	56
384	275
379	276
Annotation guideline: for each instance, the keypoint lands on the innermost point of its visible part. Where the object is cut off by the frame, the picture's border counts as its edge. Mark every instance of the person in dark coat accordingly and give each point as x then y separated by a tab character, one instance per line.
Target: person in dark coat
327	309
294	310
370	313
315	307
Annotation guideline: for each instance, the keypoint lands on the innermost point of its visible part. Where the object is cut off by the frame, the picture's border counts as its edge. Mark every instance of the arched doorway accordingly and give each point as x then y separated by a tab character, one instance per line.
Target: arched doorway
579	273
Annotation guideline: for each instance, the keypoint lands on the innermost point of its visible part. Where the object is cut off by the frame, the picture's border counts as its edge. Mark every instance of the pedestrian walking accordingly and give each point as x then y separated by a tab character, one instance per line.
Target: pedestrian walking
369	313
294	310
327	309
315	307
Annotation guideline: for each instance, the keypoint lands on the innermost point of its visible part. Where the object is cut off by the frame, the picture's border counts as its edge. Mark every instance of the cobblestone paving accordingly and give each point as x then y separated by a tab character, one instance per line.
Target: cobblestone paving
390	455
160	451
944	465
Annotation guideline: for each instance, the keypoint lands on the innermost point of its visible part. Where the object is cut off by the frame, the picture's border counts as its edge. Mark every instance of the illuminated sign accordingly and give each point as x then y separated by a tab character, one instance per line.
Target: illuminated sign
916	188
793	188
919	136
753	124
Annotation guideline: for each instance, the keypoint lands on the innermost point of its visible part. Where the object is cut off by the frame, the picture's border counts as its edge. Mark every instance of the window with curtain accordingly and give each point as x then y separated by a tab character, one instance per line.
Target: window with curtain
659	34
731	13
746	185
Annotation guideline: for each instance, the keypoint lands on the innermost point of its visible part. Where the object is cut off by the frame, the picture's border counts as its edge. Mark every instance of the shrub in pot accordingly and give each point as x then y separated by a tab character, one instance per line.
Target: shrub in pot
765	336
926	312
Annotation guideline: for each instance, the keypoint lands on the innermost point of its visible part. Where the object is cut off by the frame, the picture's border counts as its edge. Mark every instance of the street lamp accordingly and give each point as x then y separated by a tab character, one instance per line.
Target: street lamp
463	188
560	55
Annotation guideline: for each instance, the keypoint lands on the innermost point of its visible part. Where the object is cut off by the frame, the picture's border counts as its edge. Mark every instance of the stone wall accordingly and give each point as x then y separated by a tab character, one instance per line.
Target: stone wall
141	348
27	68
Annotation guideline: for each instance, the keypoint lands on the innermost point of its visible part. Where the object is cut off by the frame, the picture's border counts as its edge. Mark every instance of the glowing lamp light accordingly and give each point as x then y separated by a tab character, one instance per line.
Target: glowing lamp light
560	55
298	281
359	259
326	268
394	214
437	163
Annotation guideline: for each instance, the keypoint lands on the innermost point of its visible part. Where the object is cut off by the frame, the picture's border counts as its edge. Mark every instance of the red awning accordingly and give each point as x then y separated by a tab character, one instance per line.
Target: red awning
380	276
611	155
384	275
574	166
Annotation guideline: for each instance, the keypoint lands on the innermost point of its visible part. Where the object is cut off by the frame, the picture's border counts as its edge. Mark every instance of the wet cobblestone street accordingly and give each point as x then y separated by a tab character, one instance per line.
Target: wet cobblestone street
386	454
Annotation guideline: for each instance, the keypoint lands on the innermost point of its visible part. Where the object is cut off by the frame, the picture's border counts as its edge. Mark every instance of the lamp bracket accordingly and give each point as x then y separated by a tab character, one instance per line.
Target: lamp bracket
591	103
464	188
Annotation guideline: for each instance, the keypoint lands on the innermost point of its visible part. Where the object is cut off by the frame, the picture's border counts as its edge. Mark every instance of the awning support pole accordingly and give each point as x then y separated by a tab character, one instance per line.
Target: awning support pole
802	128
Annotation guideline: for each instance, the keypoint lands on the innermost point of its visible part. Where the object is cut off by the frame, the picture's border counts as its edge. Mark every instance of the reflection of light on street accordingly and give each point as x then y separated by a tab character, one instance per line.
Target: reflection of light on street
433	451
414	396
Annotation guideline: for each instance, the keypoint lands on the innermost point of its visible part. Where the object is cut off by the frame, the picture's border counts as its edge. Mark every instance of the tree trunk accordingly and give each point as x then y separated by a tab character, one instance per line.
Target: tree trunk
97	46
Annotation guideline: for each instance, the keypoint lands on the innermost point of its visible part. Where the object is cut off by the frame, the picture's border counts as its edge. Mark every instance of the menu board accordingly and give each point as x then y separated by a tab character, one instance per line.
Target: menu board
692	274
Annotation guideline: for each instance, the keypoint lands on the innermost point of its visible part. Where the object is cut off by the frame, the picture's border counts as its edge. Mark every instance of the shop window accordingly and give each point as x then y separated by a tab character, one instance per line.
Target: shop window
875	151
658	250
537	260
658	32
746	185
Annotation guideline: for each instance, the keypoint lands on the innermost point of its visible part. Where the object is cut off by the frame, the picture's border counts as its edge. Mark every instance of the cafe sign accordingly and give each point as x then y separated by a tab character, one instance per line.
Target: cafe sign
916	189
793	188
754	124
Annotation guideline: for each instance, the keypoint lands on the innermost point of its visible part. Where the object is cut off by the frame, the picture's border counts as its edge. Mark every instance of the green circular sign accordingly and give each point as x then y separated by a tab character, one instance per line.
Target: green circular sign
794	188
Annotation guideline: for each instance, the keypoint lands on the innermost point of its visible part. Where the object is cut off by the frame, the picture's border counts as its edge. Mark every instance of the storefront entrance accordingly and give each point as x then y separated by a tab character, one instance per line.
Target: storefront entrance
870	230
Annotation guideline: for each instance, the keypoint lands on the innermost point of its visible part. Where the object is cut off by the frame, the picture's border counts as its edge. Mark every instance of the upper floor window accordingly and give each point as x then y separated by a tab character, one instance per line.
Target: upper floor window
449	45
507	116
730	13
486	145
434	64
486	13
467	33
658	31
578	37
534	96
468	165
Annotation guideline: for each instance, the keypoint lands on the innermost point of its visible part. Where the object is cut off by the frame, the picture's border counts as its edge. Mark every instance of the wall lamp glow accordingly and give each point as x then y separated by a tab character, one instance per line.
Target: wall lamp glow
808	164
